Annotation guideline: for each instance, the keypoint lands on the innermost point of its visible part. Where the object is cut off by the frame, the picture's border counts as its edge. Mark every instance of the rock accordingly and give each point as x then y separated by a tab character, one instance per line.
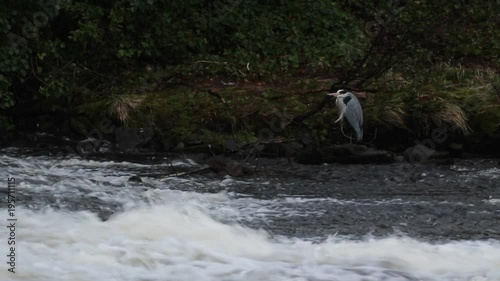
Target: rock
135	179
346	154
421	153
6	137
418	153
132	138
309	156
88	146
231	146
487	146
236	169
445	162
440	155
455	149
45	123
224	165
204	148
399	158
179	147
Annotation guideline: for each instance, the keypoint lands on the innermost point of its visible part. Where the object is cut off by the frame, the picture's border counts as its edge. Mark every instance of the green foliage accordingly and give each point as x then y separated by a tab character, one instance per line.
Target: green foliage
282	36
411	36
6	123
13	57
81	50
6	99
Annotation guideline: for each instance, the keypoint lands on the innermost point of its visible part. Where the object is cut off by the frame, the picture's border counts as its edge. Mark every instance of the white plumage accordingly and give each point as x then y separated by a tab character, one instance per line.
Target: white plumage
350	108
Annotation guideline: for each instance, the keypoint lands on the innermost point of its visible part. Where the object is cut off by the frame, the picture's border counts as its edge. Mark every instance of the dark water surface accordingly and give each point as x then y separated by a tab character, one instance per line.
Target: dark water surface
83	219
458	201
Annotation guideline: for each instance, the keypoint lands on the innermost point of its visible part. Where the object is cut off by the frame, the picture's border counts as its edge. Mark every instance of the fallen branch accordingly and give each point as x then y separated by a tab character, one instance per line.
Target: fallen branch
165	175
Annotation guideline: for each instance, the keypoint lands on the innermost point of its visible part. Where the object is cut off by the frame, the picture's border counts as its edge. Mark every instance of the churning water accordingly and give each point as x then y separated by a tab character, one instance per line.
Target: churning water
81	219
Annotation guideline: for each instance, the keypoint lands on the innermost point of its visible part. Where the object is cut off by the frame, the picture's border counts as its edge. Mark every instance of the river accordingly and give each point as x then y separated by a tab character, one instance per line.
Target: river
82	219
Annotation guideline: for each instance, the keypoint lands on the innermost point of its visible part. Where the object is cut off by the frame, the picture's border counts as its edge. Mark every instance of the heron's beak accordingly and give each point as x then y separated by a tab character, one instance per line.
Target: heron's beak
333	94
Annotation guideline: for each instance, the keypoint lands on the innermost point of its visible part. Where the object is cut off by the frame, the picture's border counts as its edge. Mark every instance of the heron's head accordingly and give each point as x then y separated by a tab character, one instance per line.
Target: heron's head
337	93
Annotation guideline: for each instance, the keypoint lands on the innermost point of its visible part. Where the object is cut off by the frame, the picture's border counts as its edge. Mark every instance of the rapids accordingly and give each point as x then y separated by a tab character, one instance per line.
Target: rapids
81	219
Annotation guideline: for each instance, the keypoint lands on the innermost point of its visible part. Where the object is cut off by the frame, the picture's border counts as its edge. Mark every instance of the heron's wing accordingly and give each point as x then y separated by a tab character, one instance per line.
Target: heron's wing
354	114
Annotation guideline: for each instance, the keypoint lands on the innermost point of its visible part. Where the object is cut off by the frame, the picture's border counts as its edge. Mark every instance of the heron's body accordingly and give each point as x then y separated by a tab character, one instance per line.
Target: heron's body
350	108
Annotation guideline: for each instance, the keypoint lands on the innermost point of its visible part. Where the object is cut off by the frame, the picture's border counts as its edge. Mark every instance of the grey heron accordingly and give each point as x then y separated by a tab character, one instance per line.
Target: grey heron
350	108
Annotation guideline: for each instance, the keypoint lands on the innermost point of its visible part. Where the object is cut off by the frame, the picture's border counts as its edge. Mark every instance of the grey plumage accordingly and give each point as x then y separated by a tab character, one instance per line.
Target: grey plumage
350	108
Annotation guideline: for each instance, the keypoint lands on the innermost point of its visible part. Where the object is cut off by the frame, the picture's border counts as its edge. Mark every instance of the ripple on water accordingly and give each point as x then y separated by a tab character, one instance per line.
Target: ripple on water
213	228
181	243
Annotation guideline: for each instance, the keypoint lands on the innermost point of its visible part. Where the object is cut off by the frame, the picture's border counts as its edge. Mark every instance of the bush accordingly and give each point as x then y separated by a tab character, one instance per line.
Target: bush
73	51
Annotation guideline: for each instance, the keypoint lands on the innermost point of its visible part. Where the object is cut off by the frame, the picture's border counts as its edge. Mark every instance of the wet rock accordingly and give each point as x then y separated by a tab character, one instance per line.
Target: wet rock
88	146
45	122
134	179
204	148
418	153
487	146
236	169
224	165
179	147
44	143
132	138
349	154
456	149
309	156
445	161
399	158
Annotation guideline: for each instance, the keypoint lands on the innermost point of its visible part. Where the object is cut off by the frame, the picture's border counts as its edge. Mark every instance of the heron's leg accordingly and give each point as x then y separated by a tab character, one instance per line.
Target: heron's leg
343	133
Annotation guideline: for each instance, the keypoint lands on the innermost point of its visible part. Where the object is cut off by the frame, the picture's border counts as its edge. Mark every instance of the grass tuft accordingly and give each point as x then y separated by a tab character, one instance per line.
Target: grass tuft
121	107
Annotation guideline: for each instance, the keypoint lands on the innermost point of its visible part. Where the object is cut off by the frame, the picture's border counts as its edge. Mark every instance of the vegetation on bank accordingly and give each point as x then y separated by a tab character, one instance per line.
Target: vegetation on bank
209	71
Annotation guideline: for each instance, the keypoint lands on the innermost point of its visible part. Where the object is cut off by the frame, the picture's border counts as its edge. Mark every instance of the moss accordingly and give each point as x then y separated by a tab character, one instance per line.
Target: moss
457	100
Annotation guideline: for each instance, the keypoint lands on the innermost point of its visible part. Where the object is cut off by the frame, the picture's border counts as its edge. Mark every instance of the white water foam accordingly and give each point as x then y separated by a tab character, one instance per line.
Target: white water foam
165	234
493	173
164	242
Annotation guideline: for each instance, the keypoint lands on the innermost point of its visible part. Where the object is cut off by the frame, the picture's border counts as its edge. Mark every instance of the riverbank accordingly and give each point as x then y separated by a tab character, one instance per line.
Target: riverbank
456	111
